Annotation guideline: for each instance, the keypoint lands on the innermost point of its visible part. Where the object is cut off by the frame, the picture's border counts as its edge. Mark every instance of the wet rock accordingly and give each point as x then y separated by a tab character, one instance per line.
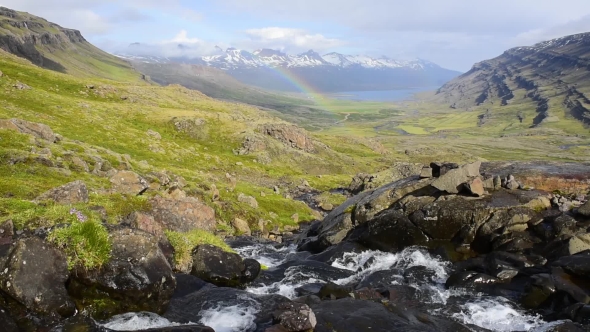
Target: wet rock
221	268
578	264
31	128
451	180
290	135
137	278
248	200
241	226
71	193
190	308
333	291
471	280
381	279
188	284
295	317
337	252
182	215
389	231
34	274
127	182
349	315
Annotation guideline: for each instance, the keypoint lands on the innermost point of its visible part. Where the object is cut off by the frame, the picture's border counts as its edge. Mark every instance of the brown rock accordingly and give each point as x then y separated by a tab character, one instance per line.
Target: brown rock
182	215
452	179
426	172
7	229
241	226
248	200
475	187
146	223
127	182
31	128
79	165
71	193
290	135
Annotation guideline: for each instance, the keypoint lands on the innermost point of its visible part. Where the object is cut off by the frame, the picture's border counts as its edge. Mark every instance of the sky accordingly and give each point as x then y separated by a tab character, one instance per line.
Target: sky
452	33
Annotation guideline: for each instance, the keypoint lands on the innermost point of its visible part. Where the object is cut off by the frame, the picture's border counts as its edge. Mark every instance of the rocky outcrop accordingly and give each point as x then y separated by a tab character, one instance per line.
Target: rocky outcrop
251	201
295	317
290	135
183	214
130	183
38	130
221	268
71	193
137	278
35	274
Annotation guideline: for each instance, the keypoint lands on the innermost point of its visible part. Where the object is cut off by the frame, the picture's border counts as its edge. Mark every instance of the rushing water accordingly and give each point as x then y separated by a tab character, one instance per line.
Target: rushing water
493	313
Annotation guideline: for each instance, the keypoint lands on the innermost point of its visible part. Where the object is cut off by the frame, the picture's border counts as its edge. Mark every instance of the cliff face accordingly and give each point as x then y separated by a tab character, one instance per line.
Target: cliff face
555	72
53	47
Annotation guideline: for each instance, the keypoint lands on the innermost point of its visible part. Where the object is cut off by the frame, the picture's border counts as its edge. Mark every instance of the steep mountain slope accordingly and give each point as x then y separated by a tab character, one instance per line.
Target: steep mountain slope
553	77
333	72
50	46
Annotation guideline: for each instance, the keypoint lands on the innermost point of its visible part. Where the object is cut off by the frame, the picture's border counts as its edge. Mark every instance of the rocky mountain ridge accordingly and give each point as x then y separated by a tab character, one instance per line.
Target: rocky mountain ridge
553	76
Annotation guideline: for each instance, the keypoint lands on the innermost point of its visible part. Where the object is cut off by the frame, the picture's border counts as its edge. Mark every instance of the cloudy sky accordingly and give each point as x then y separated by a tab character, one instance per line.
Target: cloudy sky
452	33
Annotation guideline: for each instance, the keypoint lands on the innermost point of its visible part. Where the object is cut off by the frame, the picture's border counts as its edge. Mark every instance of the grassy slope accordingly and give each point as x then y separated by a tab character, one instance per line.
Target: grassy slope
111	121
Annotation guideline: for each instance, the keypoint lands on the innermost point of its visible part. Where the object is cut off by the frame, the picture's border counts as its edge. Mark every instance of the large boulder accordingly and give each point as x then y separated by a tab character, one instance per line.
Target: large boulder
127	182
71	193
34	273
290	135
384	197
136	278
452	180
182	215
222	268
38	130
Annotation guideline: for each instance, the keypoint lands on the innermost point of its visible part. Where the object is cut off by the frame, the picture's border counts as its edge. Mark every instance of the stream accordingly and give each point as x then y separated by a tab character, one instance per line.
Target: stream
292	274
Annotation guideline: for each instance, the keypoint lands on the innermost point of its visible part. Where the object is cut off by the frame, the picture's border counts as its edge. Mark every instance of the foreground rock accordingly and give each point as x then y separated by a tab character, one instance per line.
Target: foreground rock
71	193
34	274
137	278
221	268
290	135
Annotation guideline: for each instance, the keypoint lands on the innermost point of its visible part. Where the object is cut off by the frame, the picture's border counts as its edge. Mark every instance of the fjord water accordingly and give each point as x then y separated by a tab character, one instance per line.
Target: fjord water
383	96
489	312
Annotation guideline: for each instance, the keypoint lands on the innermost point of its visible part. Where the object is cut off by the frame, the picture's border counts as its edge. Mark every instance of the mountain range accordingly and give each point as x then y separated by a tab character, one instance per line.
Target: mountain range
332	72
552	76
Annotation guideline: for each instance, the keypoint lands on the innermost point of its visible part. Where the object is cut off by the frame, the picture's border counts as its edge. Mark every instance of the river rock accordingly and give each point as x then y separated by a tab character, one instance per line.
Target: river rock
38	130
451	180
222	268
71	193
182	215
127	182
35	274
137	278
348	315
295	317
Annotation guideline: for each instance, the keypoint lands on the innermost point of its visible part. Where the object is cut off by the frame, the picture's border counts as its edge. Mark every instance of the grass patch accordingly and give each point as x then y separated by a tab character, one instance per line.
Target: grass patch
184	243
86	243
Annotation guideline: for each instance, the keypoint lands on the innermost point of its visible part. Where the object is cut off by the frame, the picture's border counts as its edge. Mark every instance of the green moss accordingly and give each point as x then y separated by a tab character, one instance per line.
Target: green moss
184	243
86	243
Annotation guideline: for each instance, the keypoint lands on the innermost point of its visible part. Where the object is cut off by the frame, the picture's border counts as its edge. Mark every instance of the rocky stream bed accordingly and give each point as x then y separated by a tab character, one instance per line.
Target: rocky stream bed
447	250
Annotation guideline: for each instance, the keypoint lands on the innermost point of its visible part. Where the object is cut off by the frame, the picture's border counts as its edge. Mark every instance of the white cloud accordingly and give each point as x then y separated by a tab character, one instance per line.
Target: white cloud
288	39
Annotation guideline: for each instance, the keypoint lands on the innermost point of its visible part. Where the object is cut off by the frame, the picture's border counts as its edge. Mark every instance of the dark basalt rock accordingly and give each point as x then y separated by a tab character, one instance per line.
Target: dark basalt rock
471	280
137	278
187	284
578	265
34	274
349	315
221	268
380	279
337	252
295	317
332	291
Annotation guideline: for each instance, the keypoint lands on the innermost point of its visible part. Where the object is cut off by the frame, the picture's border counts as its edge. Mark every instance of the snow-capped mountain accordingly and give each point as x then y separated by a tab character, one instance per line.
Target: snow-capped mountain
328	72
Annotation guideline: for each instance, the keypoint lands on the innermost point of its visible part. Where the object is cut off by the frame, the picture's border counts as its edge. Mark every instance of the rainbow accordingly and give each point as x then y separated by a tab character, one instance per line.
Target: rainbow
305	88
